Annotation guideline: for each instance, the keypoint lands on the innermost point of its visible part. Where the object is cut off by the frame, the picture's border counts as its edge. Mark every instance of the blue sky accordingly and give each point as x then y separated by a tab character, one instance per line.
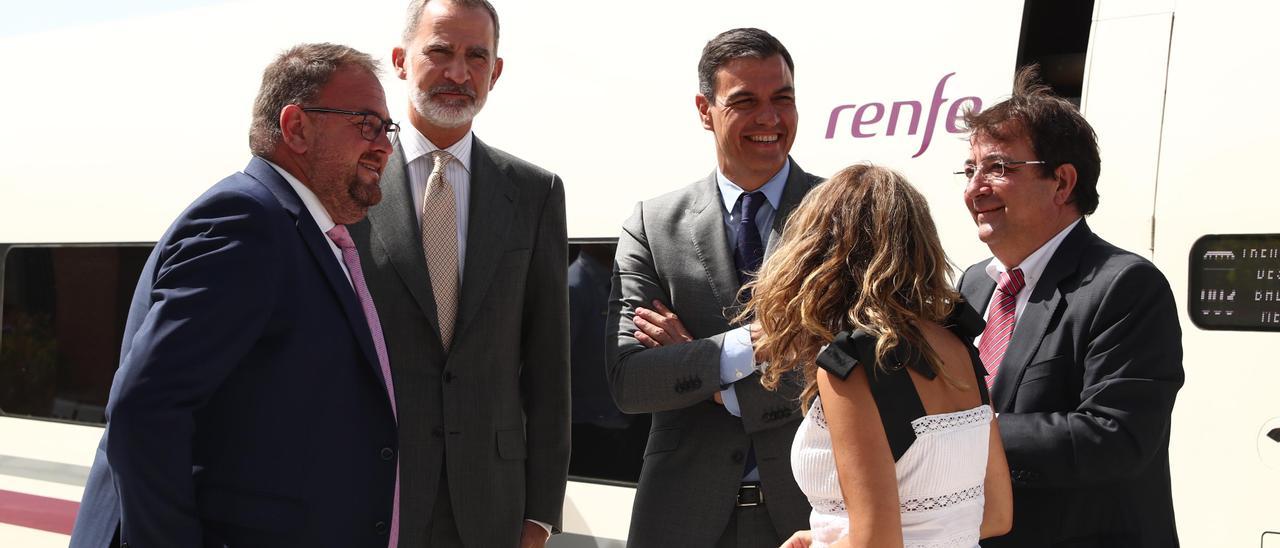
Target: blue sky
24	16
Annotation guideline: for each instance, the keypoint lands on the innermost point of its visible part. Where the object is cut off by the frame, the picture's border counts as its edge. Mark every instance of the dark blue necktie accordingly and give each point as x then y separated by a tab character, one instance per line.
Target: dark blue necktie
749	250
748	254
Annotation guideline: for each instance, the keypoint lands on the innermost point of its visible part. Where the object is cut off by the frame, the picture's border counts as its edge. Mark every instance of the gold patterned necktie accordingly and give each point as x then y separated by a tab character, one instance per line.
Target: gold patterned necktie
440	244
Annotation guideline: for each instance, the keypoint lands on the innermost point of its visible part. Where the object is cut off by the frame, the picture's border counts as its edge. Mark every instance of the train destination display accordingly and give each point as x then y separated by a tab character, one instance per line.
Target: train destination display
1234	282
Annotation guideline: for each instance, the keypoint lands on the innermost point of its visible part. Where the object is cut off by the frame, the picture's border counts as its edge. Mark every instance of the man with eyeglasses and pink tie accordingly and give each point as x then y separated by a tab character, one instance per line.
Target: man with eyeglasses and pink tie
253	404
1082	344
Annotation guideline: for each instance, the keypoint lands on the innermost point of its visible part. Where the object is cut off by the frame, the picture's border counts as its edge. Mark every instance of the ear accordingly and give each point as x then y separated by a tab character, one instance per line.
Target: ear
1065	183
704	111
295	126
497	71
397	60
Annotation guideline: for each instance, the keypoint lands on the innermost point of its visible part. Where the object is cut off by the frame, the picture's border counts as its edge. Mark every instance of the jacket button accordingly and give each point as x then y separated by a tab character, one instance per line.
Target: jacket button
380	527
387	453
736	457
437	432
448	377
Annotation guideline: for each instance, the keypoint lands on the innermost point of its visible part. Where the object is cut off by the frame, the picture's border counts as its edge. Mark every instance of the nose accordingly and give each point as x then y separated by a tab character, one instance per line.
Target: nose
456	71
977	187
383	143
767	115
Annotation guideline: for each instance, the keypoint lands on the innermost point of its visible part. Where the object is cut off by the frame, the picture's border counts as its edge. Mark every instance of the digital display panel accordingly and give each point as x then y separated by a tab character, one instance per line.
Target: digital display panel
1234	282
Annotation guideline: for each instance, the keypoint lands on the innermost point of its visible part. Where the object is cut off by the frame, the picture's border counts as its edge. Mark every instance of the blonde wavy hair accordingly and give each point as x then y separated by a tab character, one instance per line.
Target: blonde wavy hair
861	252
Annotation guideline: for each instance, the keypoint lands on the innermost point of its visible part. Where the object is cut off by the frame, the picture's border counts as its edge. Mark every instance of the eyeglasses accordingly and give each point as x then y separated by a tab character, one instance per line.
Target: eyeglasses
994	170
371	125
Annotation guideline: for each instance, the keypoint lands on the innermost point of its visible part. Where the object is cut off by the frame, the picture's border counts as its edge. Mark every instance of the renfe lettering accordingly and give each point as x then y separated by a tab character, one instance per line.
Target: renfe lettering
867	116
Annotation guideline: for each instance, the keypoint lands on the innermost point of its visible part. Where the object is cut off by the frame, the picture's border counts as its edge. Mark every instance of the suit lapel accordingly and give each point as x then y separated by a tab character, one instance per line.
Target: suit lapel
711	243
493	197
1033	325
397	236
323	254
798	185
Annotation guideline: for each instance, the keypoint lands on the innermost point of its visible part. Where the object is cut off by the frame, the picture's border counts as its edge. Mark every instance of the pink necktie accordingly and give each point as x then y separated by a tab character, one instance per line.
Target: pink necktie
1000	321
351	258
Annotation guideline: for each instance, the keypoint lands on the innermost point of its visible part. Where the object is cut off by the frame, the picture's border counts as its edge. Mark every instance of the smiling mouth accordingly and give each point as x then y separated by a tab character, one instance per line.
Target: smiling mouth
372	167
762	138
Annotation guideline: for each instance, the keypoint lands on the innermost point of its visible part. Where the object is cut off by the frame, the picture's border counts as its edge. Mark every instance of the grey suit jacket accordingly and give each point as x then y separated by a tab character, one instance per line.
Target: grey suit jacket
494	409
1085	394
674	248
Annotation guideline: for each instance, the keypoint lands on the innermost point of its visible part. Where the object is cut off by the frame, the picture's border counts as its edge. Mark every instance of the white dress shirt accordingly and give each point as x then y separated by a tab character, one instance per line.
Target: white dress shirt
318	213
1032	268
417	156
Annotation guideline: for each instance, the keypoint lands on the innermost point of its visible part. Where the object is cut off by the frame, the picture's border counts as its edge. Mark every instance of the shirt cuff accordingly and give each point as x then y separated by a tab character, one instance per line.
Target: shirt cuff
540	524
730	398
737	356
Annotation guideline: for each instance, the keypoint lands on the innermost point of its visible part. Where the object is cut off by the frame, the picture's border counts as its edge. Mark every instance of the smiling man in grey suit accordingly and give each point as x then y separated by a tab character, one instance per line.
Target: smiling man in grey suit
1082	346
717	468
466	258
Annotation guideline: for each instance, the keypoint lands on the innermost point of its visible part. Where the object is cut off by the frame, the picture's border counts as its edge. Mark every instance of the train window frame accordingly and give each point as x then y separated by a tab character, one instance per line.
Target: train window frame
622	467
636	434
75	409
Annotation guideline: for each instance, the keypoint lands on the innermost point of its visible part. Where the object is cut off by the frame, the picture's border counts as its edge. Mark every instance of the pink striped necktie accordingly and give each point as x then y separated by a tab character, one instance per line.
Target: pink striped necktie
1000	322
351	258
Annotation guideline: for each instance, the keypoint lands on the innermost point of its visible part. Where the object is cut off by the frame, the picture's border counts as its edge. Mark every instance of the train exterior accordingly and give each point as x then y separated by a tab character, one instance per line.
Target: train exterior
114	122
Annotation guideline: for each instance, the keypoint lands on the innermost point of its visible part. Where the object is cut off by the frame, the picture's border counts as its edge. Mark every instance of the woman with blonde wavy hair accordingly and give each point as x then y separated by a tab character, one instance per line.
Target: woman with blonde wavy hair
905	452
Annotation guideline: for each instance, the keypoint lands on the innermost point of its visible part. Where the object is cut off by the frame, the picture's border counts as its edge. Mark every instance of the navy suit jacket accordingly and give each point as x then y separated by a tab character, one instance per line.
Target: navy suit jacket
1085	394
249	408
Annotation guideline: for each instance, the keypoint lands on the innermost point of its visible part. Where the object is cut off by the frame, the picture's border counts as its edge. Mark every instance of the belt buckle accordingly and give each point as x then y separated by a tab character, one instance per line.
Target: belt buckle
749	495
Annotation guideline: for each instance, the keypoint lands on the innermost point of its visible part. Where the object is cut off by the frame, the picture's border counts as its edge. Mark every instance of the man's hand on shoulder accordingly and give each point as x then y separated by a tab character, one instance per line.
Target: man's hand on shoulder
659	327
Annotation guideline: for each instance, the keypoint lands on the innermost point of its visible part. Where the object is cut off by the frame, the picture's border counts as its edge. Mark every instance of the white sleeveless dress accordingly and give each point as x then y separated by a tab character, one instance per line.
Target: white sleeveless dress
940	479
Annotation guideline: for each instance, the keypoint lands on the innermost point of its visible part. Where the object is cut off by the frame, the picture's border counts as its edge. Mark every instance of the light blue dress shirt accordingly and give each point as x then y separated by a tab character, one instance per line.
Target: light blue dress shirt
737	359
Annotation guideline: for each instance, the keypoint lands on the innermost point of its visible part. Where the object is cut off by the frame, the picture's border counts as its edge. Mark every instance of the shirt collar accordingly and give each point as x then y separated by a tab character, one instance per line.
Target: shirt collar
416	145
1033	266
309	199
730	191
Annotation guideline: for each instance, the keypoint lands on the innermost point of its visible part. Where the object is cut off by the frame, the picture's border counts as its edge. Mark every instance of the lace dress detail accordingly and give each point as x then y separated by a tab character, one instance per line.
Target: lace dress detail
940	479
946	421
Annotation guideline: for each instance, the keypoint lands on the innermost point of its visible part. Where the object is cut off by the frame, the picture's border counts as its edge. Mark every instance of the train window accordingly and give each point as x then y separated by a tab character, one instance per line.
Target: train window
1233	282
608	445
62	317
1055	34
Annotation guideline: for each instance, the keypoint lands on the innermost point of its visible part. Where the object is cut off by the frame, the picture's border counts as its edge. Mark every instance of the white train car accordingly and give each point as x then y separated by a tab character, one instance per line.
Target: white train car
117	116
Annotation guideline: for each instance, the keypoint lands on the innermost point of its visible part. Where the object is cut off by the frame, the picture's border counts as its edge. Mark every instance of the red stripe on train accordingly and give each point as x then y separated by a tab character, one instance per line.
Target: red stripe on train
36	512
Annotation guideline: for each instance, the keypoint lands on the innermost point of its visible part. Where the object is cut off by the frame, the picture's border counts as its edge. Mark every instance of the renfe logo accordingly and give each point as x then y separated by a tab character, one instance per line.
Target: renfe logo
868	115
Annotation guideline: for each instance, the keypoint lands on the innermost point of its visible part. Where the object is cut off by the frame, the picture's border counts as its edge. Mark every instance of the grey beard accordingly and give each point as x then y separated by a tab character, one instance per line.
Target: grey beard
445	116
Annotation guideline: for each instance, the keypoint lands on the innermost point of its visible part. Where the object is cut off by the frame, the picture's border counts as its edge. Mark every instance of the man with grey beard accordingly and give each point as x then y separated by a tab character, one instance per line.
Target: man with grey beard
466	259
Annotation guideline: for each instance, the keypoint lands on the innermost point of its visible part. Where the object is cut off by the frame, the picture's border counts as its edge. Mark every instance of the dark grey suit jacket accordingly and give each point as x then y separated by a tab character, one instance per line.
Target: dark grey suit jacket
675	249
1085	394
494	410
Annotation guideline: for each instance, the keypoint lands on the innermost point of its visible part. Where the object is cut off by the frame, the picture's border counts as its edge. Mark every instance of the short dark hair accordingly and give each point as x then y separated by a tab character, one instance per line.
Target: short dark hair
736	44
1059	134
414	17
295	78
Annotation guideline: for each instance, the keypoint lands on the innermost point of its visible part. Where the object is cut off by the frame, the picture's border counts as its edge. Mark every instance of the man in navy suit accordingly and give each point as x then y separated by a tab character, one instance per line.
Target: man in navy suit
250	407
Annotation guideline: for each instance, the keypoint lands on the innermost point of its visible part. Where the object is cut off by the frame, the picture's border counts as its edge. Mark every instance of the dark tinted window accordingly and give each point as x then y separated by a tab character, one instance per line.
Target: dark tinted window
63	315
1055	34
607	443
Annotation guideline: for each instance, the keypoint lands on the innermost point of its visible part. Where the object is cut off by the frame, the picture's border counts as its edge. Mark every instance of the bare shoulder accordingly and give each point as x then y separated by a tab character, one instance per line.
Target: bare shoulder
939	395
